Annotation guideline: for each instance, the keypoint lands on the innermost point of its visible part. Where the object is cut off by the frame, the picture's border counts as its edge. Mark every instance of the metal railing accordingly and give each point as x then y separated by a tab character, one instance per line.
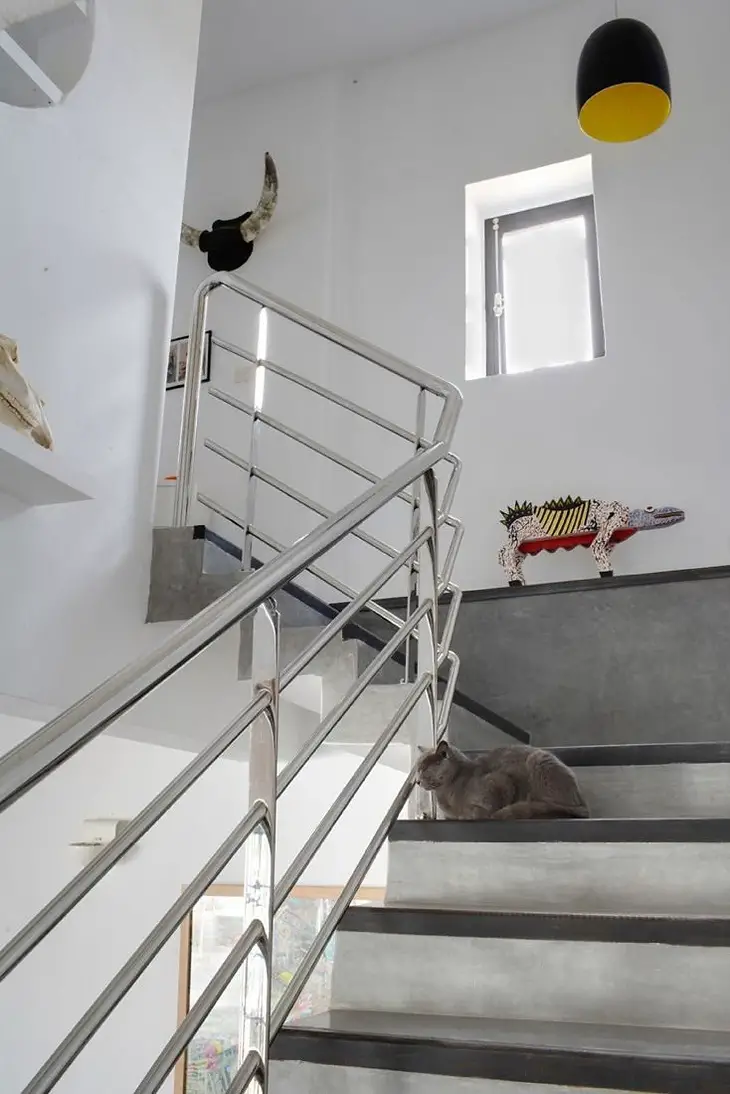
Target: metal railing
53	745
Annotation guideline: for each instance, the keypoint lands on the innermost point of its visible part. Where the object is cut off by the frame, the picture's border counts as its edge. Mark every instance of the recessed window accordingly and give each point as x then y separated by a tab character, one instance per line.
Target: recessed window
542	288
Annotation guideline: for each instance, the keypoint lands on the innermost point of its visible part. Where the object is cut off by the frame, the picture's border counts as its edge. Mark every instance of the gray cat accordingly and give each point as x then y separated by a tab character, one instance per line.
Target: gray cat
515	783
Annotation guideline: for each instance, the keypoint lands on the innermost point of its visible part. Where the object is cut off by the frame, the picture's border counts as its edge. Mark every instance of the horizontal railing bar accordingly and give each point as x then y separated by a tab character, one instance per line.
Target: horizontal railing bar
450	691
323	450
251	1067
333	814
58	1063
226	453
23	766
315	571
322	511
37	928
335	457
326	578
451	396
340	709
452	552
333	334
450	491
297	666
340	400
238	351
300	438
339	908
255	934
450	624
231	400
296	495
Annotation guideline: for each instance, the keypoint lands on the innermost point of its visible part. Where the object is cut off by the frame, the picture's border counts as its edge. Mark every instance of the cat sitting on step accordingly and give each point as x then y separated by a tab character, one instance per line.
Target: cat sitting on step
514	783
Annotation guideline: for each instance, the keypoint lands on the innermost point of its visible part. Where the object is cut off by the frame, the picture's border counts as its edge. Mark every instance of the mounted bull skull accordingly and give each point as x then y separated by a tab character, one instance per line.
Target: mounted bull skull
229	243
20	406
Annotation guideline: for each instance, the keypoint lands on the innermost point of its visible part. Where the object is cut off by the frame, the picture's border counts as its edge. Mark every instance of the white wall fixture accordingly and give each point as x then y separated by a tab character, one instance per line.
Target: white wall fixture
44	49
97	834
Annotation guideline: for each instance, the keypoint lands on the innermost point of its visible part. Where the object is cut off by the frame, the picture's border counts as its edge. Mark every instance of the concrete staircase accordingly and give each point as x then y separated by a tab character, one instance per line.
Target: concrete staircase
542	957
192	567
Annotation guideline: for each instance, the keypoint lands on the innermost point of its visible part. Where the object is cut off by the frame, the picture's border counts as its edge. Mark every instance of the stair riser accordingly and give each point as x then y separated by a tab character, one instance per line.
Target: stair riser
666	790
337	656
534	979
293	1077
649	878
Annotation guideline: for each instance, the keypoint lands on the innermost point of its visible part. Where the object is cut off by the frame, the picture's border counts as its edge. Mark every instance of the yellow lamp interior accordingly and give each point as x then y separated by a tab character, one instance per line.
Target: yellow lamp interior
625	112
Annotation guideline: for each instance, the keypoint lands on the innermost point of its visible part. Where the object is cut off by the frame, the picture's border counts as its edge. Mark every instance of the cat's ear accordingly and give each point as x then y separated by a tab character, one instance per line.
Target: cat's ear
443	748
422	750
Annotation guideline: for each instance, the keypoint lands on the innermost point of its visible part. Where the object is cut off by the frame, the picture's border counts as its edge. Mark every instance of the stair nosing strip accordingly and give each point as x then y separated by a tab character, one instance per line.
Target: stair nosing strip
711	931
600	830
542	1065
637	755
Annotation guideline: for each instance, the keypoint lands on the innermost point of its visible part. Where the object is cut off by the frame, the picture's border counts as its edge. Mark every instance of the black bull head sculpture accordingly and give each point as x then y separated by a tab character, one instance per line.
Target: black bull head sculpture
228	244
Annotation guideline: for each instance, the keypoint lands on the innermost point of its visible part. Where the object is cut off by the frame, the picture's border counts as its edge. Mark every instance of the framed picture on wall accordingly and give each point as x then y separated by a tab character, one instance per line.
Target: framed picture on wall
177	361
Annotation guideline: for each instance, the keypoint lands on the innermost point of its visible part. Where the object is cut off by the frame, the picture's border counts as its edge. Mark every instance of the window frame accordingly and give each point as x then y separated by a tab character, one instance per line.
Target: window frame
495	228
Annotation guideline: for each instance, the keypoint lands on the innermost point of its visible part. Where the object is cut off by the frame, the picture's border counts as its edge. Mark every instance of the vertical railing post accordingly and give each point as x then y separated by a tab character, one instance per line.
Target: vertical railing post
428	632
191	407
259	854
253	446
412	576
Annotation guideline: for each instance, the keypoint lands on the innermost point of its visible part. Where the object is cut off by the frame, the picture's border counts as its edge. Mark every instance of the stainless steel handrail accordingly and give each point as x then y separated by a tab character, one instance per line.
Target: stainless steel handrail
340	709
443	431
328	928
327	453
60	1061
43	751
295	495
319	835
46	750
254	935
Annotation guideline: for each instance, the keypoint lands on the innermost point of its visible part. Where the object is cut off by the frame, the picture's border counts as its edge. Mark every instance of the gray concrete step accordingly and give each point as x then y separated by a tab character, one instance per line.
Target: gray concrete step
388	1053
643	781
654	867
601	969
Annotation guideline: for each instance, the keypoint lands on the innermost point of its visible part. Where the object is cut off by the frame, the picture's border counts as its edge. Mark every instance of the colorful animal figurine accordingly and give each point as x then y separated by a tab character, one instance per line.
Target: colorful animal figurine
575	522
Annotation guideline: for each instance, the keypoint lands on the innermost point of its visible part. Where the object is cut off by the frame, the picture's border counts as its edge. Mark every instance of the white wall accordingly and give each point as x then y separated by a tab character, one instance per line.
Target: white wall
92	199
388	152
115	778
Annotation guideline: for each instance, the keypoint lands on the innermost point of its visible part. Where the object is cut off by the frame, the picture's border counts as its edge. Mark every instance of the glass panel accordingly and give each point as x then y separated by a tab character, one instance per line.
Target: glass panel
547	308
216	926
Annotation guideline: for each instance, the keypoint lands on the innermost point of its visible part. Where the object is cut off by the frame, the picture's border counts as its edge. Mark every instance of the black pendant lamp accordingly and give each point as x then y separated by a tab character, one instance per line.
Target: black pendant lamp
623	88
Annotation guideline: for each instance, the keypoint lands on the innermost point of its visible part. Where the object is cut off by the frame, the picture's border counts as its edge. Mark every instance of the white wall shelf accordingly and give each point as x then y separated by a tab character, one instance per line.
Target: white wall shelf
30	476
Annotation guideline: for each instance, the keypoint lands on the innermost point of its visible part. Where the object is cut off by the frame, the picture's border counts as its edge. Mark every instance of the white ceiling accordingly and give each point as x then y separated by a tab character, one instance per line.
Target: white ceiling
249	42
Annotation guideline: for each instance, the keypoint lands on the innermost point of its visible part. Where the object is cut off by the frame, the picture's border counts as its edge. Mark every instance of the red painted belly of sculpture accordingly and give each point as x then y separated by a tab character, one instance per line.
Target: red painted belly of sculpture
567	543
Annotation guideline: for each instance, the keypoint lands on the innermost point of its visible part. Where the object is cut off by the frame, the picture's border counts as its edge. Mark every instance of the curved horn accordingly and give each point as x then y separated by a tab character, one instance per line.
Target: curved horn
190	236
253	226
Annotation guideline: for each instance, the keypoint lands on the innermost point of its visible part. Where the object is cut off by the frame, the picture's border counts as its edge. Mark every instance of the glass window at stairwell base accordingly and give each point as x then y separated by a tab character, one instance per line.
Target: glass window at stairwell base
206	940
543	296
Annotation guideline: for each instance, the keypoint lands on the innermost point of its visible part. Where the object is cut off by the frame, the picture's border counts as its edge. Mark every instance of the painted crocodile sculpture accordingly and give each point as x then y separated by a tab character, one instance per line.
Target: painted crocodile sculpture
574	522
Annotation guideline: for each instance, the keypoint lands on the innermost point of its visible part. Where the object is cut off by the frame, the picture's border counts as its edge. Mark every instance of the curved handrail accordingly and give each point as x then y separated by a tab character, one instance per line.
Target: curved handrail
42	752
445	426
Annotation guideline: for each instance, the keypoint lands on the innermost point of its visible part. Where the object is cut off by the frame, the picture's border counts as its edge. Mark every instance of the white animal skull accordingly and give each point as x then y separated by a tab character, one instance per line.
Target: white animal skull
20	406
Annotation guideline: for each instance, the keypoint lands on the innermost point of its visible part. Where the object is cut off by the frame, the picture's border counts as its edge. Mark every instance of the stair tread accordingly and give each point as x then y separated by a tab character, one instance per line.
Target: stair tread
639	755
557	1055
599	830
565	926
583	1037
